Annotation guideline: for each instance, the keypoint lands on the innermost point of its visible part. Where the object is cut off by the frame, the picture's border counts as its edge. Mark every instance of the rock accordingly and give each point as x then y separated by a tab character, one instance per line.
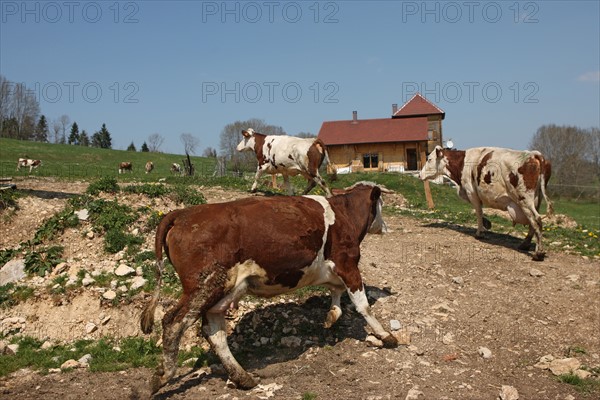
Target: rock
569	397
448	338
47	345
83	215
372	341
124	270
109	295
484	352
573	277
443	307
414	393
12	349
12	271
564	366
458	280
90	327
291	341
395	325
90	234
85	360
53	370
2	347
536	273
105	320
87	281
403	337
266	391
135	232
70	364
137	282
11	325
582	373
190	362
60	268
139	271
508	393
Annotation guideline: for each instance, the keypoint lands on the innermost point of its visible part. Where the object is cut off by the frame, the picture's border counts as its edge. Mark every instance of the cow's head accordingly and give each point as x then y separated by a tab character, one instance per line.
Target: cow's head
247	143
378	225
435	166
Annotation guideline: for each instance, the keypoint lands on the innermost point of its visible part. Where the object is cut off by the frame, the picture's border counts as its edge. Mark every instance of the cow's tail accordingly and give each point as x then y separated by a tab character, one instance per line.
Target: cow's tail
147	317
545	175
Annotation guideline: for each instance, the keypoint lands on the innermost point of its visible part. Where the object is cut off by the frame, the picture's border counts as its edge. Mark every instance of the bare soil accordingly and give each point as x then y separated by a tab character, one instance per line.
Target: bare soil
451	293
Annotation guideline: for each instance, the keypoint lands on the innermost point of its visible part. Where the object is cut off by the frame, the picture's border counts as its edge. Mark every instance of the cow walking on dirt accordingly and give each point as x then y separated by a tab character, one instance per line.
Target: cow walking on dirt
264	246
509	180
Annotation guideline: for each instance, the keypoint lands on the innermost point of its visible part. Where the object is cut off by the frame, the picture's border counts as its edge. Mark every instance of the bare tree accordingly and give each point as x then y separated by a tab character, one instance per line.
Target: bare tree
306	135
209	152
56	126
64	123
568	148
190	142
154	142
19	110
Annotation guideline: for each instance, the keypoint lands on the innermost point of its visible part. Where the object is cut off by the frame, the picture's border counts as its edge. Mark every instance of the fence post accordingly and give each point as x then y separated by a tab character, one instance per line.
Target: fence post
428	196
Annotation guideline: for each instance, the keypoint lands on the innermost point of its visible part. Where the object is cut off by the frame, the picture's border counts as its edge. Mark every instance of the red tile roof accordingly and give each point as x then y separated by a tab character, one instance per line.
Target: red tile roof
382	130
418	106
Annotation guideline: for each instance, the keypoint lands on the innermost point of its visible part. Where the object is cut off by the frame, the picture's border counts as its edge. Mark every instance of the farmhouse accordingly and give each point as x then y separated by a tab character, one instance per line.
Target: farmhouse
399	143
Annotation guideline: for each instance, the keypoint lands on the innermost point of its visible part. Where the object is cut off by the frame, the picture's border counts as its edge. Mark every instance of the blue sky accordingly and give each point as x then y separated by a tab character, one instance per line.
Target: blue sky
498	69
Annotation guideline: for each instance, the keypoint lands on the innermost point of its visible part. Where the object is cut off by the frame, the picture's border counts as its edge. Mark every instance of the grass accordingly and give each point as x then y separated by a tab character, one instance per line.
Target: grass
581	385
76	162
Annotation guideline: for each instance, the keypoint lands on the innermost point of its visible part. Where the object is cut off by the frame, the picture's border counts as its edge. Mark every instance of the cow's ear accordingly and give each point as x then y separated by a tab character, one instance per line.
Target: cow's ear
245	134
439	152
375	193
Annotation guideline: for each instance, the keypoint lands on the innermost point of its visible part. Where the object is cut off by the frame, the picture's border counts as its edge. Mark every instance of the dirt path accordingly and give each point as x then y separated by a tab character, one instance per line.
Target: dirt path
452	295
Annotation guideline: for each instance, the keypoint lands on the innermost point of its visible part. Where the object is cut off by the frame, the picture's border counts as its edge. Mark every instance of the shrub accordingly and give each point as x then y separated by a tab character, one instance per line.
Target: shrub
8	198
107	184
56	224
187	195
148	189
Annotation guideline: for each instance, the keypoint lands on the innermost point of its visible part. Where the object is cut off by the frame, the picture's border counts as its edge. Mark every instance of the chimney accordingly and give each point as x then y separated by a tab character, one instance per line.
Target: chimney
355	117
394	108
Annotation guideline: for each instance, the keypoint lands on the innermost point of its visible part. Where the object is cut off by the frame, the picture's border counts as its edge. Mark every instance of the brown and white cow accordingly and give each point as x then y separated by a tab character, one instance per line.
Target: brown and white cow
264	246
176	169
509	180
288	156
149	167
125	166
26	162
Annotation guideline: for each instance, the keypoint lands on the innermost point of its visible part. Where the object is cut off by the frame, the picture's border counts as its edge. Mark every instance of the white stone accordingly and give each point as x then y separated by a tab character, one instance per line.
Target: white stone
373	341
90	327
60	268
582	373
83	215
414	394
12	271
564	366
47	345
12	349
70	364
90	234
137	282
484	352
458	280
536	272
85	360
124	270
87	281
109	295
448	338
508	393
395	325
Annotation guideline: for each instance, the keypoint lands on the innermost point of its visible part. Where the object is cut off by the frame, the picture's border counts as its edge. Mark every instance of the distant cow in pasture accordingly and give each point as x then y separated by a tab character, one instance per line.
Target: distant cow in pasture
176	169
509	180
125	166
149	167
27	162
286	155
263	246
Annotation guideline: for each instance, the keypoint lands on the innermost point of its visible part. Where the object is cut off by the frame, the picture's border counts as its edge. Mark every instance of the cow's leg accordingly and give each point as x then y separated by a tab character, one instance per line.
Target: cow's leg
535	223
526	244
479	212
215	331
350	275
257	176
175	323
310	186
335	312
287	184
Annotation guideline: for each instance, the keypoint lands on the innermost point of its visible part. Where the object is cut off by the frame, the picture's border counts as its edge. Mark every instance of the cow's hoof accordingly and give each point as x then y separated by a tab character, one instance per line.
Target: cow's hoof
539	256
487	224
390	341
245	381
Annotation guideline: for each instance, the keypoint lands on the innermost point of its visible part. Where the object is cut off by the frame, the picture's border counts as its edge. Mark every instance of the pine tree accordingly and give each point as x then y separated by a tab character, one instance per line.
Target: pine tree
84	140
131	147
41	130
74	136
145	148
102	138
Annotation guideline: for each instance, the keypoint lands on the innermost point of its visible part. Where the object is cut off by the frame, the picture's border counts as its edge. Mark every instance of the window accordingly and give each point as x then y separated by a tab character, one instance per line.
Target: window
371	160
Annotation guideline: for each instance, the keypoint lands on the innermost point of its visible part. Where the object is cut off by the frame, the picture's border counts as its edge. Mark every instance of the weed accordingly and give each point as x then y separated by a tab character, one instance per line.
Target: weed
107	184
43	260
187	195
6	255
56	224
575	350
581	385
309	396
150	190
11	295
8	198
153	220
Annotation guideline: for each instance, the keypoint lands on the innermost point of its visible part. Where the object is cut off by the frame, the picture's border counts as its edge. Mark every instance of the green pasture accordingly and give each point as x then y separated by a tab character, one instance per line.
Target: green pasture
88	163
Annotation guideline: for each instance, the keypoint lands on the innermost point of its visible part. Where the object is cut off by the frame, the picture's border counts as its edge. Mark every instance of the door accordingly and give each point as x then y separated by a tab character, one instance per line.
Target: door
411	159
